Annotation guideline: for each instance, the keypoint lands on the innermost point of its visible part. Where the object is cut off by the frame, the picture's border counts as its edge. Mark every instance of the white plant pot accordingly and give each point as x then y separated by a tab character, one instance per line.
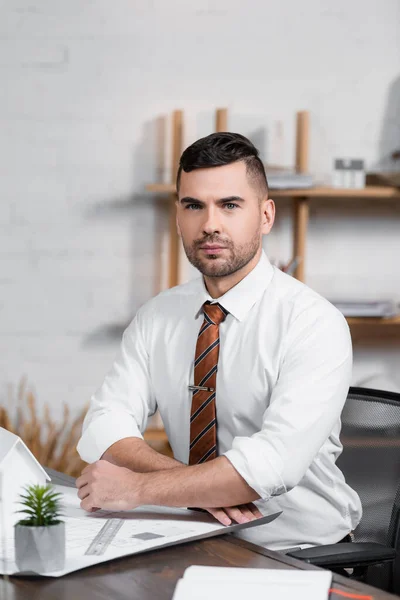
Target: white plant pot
40	549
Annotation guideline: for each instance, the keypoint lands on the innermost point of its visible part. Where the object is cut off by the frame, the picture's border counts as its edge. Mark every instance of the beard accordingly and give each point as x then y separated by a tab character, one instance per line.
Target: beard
215	265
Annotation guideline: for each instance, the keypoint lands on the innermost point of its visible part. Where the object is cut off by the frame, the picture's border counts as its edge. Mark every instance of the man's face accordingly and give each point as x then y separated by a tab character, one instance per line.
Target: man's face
221	219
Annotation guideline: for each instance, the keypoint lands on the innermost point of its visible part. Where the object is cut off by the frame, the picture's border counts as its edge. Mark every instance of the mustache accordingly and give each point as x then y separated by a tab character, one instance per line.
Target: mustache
211	240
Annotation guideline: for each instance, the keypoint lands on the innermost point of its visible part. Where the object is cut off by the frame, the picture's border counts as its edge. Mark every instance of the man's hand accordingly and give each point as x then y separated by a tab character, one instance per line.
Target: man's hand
103	485
241	514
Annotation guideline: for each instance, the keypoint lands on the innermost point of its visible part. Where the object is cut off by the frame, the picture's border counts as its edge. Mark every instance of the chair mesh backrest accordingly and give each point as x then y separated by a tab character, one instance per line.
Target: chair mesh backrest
371	458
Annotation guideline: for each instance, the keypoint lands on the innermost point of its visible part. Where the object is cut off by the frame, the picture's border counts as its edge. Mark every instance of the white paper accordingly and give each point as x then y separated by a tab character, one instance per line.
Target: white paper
215	583
142	529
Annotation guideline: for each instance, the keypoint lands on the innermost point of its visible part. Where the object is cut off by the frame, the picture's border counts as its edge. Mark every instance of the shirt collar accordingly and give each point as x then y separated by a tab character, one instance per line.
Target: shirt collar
240	299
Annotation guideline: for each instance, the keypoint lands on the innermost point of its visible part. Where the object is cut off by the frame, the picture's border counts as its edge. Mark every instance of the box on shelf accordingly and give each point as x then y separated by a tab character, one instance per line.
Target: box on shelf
348	173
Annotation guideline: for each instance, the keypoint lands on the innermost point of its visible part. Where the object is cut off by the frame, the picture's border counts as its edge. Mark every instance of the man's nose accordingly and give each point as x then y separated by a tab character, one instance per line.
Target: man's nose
211	221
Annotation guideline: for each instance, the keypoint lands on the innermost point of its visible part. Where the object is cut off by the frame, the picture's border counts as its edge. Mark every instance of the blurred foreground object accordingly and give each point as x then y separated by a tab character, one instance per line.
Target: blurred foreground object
18	468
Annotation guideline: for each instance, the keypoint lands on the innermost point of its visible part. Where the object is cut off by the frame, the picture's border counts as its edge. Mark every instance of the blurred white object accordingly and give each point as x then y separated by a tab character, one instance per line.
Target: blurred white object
18	468
348	173
213	583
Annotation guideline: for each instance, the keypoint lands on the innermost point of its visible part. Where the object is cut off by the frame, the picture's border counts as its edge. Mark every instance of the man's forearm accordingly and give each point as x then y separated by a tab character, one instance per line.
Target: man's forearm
135	454
212	484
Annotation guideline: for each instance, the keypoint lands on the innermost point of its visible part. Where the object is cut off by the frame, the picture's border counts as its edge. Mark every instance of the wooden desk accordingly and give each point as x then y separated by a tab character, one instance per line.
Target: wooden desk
153	575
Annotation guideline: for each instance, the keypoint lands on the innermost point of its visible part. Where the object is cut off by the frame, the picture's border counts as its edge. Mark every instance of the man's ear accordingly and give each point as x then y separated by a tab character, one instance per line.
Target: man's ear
268	213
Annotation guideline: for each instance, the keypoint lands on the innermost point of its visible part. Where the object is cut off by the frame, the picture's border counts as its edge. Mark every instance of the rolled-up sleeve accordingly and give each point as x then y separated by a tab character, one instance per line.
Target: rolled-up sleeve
304	407
122	405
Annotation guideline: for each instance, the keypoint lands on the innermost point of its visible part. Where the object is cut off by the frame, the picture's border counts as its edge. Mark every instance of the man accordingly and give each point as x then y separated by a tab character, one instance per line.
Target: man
248	367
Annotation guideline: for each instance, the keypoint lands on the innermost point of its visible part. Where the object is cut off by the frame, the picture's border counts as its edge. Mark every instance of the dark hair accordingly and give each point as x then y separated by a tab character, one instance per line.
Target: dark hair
224	148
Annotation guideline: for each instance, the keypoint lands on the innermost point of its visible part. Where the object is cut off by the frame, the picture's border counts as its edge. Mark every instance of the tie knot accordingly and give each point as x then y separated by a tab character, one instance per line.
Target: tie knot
215	312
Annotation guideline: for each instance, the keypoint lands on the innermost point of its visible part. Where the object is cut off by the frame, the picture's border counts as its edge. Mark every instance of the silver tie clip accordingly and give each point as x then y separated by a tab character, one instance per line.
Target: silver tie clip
195	388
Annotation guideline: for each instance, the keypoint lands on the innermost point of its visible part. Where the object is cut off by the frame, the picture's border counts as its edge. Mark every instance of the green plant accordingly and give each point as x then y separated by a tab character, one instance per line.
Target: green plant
41	506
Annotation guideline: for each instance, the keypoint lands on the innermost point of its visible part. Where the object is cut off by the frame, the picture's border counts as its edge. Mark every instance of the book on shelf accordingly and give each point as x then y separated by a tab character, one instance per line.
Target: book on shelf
367	308
283	180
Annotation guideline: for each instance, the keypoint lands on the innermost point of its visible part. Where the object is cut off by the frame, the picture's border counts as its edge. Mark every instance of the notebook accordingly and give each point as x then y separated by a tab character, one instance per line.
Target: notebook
214	583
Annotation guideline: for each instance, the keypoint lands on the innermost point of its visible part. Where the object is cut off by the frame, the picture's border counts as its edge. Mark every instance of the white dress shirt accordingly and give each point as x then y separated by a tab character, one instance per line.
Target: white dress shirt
283	374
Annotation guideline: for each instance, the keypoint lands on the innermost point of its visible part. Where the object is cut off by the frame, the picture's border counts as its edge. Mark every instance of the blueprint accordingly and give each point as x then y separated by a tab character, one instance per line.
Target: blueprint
92	538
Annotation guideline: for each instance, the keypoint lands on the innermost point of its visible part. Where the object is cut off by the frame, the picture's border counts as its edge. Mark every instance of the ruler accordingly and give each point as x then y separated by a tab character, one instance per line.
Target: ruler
105	536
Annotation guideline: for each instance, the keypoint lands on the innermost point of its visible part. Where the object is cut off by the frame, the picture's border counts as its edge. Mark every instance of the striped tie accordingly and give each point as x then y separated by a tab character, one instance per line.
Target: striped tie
203	429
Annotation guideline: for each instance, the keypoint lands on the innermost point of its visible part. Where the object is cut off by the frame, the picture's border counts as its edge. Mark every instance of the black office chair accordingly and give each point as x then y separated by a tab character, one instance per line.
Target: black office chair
370	462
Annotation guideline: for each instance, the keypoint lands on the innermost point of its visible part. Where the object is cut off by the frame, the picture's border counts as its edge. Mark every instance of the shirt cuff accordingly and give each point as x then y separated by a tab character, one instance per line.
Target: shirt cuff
103	432
250	462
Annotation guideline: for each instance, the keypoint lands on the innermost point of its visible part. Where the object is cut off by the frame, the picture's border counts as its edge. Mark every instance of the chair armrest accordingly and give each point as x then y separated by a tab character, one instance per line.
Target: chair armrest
356	554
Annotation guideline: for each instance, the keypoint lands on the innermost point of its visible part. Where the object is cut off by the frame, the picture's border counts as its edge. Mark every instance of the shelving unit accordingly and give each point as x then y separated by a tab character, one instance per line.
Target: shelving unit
301	207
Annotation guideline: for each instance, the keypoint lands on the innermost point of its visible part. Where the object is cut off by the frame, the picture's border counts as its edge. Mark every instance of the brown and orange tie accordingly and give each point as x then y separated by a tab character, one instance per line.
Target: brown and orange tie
203	423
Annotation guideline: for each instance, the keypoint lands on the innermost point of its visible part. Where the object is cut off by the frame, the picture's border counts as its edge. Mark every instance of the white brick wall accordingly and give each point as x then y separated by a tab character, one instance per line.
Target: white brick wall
82	86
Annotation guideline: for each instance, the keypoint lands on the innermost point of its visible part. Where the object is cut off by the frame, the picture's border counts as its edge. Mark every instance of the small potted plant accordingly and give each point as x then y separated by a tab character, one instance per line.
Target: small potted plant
40	536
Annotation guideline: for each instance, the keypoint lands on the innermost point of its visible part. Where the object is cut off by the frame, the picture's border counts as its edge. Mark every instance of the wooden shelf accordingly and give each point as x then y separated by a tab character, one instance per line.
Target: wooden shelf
373	321
327	192
371	191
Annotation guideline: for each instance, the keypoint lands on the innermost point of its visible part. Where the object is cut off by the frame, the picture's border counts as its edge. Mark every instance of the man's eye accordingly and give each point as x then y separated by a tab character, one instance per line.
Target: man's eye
230	205
192	206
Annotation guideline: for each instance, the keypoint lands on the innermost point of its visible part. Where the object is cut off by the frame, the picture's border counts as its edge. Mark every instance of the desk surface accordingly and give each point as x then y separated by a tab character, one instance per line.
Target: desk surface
153	575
